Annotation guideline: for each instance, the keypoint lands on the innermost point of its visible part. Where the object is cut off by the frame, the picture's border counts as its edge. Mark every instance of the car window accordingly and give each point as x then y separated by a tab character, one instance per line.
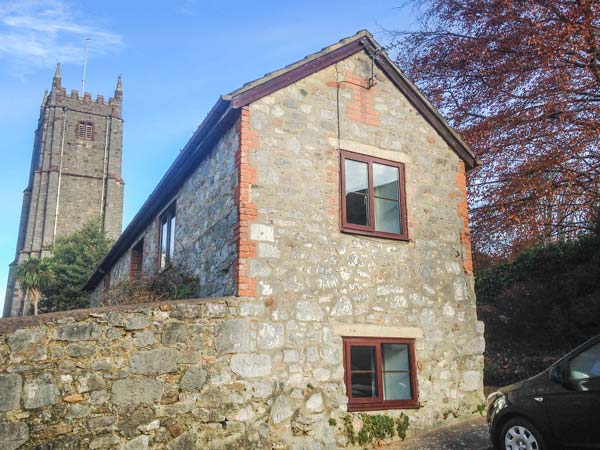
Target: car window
586	364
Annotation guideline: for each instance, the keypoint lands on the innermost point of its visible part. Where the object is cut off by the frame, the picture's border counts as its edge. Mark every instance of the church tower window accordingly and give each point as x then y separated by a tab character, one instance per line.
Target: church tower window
85	130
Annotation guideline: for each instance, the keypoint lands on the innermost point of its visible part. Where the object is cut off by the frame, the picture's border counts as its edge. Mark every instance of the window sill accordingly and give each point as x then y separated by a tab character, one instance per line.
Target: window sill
376	234
383	406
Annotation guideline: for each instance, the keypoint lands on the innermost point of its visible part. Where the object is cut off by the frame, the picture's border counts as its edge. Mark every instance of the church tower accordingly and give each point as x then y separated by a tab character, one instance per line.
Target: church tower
75	176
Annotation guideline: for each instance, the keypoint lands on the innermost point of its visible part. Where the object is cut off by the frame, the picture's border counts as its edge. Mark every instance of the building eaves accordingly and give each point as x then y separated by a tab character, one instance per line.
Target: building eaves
221	117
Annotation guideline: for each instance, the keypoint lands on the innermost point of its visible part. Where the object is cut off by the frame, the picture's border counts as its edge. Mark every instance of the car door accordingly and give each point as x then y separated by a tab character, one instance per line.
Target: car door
573	405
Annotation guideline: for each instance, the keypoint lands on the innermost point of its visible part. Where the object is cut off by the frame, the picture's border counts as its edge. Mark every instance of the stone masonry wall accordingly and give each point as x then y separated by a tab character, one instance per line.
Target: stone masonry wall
206	219
196	374
205	226
321	279
182	375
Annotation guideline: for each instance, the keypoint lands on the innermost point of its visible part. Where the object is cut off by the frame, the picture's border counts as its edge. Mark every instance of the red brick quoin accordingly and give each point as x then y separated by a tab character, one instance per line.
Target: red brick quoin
332	190
463	213
247	211
361	108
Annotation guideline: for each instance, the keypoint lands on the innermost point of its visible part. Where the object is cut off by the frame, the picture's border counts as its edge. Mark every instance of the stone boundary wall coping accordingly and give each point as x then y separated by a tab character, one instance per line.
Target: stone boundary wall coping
11	324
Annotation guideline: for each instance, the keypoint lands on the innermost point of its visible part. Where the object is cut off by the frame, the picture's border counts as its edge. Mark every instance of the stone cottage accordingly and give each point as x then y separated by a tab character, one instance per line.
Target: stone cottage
327	201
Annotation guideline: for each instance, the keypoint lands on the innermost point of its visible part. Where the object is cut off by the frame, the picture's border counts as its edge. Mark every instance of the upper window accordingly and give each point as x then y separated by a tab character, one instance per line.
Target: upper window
167	236
380	373
85	130
373	196
137	260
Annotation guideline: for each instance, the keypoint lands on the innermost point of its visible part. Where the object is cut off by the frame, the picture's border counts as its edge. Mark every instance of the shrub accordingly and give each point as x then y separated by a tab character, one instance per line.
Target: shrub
538	306
170	284
375	428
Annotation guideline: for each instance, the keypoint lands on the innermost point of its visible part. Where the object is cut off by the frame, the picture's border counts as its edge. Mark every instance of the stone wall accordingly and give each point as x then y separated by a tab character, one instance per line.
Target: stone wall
311	269
174	375
195	374
206	219
205	226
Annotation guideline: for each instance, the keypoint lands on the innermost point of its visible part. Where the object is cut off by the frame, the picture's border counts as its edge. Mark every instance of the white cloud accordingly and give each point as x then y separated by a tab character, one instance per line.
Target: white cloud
39	33
187	7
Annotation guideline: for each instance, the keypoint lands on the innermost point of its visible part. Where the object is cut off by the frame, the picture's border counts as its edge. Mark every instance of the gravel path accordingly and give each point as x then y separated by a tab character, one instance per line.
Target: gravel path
469	435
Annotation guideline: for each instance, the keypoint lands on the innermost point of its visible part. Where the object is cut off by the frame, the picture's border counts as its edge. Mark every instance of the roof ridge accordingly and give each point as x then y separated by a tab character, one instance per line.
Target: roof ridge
310	57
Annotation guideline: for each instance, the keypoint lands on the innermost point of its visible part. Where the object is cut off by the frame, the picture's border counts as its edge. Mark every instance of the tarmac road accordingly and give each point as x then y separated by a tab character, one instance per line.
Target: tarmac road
469	435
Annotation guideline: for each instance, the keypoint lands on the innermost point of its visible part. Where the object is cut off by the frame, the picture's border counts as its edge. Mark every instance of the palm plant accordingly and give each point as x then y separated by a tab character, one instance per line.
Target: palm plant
33	276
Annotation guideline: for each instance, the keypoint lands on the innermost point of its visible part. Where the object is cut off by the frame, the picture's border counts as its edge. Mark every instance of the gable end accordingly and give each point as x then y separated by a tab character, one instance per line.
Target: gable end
363	40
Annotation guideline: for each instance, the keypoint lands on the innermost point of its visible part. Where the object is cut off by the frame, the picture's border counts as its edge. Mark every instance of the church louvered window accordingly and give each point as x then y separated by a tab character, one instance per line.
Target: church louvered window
85	130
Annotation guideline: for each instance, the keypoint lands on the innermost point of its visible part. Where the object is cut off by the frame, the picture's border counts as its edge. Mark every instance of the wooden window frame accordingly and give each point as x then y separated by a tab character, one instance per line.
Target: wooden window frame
351	228
378	403
85	125
169	213
136	262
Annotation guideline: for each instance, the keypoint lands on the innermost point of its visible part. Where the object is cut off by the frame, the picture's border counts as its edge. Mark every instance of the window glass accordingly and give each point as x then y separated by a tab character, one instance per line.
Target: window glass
396	375
106	281
396	386
364	385
364	372
167	236
385	181
172	238
363	358
387	205
357	192
395	357
586	364
164	236
387	216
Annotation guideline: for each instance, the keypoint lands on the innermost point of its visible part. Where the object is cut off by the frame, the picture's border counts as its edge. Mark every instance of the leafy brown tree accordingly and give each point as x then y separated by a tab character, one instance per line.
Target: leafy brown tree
521	81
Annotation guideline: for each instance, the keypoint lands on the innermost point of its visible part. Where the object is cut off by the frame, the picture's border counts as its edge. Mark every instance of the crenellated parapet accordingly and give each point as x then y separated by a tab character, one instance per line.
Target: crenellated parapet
75	100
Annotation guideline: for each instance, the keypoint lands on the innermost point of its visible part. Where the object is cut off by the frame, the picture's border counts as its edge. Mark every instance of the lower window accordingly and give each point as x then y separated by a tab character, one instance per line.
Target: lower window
380	373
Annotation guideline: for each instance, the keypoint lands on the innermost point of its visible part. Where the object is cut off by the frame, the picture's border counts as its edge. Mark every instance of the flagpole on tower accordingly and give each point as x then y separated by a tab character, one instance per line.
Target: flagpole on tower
84	66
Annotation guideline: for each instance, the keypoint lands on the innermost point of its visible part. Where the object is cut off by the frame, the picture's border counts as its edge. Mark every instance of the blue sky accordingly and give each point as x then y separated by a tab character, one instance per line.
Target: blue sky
176	58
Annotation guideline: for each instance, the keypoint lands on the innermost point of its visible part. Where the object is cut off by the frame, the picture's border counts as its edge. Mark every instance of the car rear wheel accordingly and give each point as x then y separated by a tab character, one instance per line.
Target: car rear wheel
520	434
